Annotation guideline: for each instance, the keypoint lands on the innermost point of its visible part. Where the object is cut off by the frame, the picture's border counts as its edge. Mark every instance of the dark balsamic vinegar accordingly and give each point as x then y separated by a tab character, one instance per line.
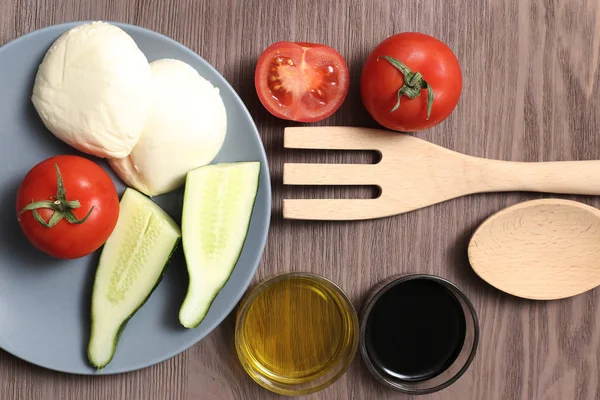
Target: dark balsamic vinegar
415	330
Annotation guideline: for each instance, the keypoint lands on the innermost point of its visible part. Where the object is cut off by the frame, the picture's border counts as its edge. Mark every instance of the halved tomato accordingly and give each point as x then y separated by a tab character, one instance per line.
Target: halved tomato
302	82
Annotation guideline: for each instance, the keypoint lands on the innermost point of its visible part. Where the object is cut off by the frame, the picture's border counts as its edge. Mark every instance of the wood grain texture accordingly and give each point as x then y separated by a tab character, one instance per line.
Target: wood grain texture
414	173
544	249
530	93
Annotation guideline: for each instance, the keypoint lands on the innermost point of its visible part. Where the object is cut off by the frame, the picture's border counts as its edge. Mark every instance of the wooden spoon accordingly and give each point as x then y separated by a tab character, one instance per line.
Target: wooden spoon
542	249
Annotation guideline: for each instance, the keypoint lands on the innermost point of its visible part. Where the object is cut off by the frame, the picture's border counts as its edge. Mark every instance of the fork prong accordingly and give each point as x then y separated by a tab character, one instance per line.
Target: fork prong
334	209
330	174
331	137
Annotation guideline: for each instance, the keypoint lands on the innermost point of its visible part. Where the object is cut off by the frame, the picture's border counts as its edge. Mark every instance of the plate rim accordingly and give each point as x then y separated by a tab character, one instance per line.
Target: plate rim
266	219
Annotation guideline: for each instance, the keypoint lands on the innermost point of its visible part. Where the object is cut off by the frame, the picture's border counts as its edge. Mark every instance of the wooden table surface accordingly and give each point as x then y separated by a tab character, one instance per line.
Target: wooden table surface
530	93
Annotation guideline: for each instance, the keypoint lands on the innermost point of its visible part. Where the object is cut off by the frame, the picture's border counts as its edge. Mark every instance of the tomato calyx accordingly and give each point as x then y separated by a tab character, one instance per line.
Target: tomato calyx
62	207
413	84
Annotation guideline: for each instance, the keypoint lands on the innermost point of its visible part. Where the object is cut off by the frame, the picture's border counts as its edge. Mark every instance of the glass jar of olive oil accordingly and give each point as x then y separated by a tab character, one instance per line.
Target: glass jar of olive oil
296	333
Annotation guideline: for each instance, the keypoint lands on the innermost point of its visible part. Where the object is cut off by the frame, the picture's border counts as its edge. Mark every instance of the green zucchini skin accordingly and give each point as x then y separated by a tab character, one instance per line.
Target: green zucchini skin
131	266
124	324
200	317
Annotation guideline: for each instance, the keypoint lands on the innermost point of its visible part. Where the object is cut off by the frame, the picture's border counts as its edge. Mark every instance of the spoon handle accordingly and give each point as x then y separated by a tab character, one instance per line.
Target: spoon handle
567	177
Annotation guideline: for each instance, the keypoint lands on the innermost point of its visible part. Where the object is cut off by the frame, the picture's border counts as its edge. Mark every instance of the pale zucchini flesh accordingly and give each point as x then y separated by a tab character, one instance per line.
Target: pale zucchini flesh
217	208
132	263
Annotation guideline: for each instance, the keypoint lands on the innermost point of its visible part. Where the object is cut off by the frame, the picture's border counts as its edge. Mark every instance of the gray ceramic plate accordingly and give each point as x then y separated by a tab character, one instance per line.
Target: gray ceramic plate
44	303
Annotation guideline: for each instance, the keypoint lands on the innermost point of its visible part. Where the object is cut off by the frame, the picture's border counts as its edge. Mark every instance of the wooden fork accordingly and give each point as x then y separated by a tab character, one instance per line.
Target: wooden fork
414	173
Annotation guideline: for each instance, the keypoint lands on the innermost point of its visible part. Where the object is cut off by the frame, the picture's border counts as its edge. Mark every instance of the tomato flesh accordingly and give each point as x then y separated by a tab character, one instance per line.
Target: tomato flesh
302	82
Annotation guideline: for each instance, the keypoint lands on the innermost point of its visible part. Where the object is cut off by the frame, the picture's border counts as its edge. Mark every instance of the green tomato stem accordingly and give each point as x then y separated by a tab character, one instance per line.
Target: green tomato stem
413	84
61	207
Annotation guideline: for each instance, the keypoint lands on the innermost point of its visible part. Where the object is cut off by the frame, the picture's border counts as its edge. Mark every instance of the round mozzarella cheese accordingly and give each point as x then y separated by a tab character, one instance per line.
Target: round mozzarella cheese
185	129
92	90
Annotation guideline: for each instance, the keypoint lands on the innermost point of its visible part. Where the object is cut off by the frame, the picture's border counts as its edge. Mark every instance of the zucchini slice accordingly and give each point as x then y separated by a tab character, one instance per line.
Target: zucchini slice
132	263
217	207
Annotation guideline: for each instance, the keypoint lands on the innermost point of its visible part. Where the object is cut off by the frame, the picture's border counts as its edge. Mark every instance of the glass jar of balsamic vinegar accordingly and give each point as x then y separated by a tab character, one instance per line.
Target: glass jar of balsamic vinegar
418	334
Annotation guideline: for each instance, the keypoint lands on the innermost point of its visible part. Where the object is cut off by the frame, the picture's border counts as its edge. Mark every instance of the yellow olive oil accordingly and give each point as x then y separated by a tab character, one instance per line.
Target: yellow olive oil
296	333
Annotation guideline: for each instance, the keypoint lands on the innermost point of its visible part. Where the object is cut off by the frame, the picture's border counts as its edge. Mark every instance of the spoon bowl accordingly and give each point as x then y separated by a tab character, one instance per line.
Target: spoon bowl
542	249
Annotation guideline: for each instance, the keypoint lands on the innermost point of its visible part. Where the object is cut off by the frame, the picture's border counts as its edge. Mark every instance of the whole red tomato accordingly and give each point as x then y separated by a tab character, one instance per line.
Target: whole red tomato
67	206
411	81
299	81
